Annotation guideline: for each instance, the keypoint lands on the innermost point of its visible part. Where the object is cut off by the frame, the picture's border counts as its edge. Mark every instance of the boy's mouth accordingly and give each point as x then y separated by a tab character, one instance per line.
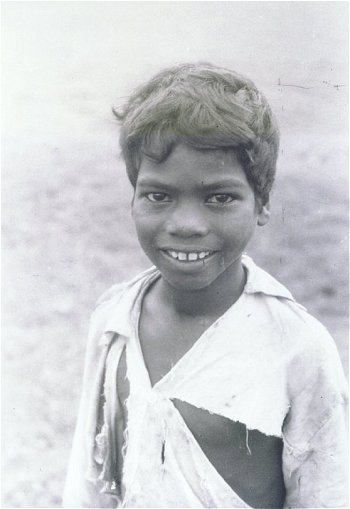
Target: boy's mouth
189	256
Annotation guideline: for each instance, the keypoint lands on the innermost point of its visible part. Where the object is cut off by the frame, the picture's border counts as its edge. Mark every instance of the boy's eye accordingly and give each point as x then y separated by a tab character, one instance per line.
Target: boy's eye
158	197
220	198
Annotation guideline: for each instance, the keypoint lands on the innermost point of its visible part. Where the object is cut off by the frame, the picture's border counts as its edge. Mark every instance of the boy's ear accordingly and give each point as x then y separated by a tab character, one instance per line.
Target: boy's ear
264	214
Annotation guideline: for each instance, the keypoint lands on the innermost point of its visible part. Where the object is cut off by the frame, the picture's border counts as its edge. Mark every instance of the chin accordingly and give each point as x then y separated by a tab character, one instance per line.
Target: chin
189	283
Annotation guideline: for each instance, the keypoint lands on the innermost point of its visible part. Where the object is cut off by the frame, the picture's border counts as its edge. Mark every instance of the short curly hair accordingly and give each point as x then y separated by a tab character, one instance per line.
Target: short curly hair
205	107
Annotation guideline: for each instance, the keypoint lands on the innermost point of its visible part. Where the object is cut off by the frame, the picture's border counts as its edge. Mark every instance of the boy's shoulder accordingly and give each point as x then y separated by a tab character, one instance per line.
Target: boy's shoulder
113	309
281	312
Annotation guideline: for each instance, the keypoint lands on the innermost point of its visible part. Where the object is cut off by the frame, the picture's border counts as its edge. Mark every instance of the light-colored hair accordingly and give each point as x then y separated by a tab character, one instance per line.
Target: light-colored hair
205	107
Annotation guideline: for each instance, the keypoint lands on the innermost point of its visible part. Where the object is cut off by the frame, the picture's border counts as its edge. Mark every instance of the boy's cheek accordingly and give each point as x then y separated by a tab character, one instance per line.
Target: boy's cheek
147	247
144	228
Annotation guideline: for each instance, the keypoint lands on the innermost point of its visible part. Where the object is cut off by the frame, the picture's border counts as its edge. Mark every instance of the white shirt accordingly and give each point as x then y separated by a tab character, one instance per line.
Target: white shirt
265	363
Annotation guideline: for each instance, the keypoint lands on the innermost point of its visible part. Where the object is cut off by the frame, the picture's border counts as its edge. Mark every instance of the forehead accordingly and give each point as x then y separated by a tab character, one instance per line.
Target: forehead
186	164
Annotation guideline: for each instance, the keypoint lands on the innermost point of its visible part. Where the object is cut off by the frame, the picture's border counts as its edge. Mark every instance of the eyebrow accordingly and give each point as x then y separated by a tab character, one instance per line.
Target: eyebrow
221	184
155	184
217	184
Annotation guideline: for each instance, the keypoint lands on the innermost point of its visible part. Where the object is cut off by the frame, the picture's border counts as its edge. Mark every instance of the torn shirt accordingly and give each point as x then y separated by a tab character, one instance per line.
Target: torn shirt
265	363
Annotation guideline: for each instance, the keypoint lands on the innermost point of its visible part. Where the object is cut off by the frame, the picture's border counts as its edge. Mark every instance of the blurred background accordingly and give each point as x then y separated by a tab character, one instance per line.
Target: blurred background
67	230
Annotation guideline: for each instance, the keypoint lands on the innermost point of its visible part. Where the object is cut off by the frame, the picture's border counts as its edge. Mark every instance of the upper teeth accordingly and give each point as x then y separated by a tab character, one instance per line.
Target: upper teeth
180	255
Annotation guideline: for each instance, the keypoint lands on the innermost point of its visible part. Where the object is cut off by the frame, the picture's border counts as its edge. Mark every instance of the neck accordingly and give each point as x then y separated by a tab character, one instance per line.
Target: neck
212	300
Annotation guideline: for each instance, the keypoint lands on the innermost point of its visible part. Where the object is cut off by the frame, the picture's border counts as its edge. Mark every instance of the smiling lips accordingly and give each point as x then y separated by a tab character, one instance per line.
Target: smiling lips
188	257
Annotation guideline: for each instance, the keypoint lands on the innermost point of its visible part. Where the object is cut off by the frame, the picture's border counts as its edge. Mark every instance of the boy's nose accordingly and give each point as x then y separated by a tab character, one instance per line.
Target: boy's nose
187	221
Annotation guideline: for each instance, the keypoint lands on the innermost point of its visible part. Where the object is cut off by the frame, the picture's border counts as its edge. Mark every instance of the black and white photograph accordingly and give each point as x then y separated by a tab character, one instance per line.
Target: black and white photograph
175	254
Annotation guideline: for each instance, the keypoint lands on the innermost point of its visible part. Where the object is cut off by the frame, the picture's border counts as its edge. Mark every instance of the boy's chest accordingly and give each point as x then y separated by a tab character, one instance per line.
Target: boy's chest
164	342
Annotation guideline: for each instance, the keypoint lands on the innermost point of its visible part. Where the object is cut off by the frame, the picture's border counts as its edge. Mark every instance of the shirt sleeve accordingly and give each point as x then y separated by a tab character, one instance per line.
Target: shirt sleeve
315	434
83	485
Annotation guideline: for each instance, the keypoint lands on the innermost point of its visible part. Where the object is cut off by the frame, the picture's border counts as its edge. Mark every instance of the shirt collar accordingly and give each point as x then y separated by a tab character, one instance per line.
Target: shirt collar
123	310
259	281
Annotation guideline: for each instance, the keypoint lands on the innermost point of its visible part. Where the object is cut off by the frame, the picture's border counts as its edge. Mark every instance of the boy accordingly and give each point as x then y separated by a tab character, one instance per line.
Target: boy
206	384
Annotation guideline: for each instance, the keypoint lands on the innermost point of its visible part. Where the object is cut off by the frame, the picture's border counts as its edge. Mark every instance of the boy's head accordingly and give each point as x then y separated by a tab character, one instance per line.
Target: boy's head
205	107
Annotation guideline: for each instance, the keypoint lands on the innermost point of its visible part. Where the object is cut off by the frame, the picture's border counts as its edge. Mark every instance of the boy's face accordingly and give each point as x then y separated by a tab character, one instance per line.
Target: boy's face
194	214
